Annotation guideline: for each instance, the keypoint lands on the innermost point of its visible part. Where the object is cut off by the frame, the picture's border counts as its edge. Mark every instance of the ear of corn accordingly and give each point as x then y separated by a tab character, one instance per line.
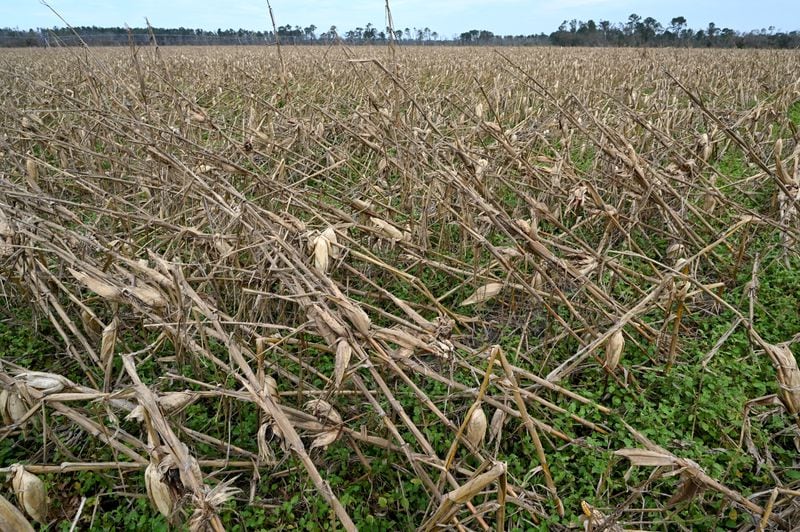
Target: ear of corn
158	491
483	294
614	347
788	376
476	427
13	407
31	495
496	425
343	353
321	254
108	342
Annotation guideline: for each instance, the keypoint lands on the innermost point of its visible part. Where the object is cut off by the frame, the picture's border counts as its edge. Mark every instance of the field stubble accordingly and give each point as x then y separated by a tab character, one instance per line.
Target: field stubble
413	287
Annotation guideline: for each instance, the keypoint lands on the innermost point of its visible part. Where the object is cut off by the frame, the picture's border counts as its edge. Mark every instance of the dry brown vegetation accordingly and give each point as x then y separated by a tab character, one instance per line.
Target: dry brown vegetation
453	258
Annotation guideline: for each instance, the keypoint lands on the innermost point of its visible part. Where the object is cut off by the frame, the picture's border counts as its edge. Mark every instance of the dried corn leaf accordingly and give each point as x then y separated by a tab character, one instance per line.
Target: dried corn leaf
400	337
644	457
149	295
323	409
101	288
108	342
325	439
264	450
687	491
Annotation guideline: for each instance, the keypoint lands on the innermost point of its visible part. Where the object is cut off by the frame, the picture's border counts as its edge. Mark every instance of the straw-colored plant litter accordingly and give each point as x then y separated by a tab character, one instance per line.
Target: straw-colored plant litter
388	288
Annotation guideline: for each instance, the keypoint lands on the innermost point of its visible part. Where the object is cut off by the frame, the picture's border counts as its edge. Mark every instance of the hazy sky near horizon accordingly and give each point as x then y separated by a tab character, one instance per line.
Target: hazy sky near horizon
447	17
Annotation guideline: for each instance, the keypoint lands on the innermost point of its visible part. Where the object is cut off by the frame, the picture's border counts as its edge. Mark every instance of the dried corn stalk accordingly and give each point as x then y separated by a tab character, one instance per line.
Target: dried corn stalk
11	518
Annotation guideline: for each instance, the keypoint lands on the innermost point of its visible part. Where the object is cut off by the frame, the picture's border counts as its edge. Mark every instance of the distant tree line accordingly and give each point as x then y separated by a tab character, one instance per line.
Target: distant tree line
636	31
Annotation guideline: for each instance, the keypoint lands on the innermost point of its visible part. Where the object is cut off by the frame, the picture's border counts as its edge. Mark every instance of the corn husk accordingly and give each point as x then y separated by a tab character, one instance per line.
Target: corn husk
149	295
46	383
271	386
706	147
101	288
11	518
160	494
321	254
13	407
343	353
594	519
108	341
173	402
4	395
31	494
6	235
675	251
91	325
400	337
265	453
325	438
386	229
356	316
496	425
614	347
788	376
483	294
32	170
325	319
330	235
323	409
476	428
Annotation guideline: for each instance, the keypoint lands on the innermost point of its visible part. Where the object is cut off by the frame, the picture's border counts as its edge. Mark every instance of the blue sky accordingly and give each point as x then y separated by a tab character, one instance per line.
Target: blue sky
447	17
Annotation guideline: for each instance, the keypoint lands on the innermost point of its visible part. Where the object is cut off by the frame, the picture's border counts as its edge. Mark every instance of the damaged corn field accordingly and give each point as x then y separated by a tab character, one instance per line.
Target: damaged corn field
393	288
